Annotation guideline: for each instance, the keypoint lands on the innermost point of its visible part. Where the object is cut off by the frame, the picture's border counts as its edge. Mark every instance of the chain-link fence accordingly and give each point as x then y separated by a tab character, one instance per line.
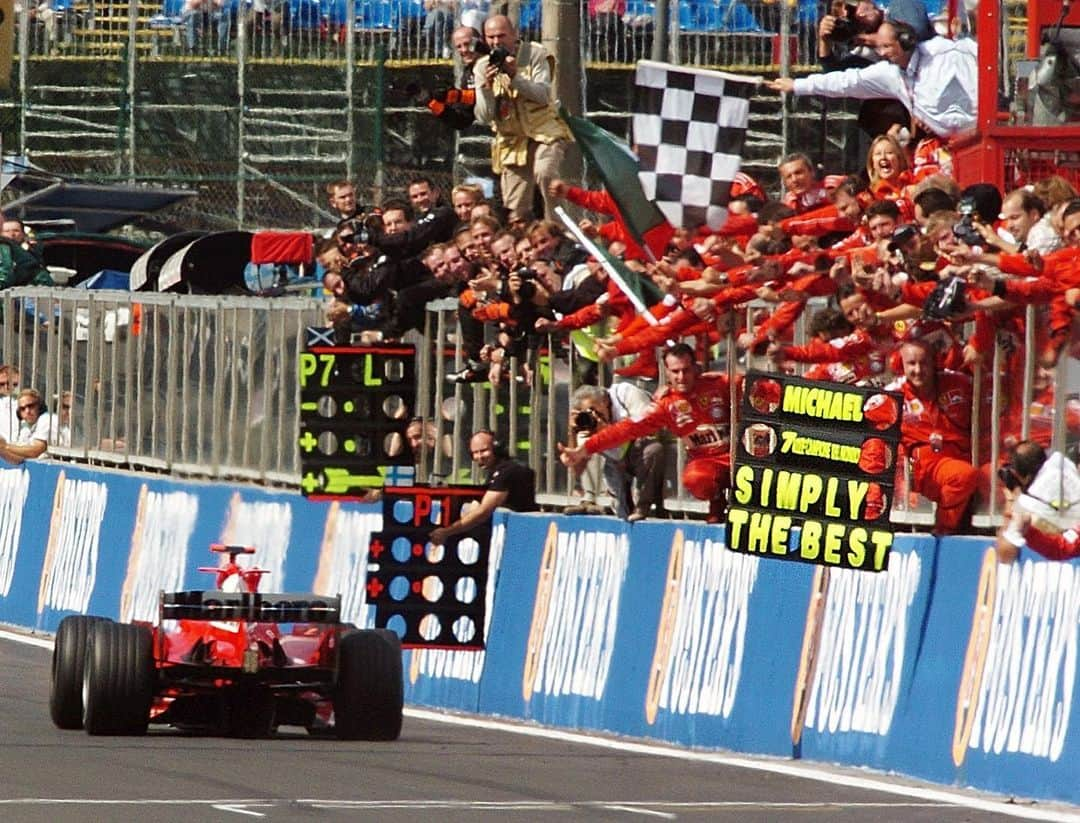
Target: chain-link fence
258	105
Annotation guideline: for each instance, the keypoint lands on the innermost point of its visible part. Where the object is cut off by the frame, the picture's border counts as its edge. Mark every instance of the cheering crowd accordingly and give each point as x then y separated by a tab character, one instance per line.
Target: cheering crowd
920	279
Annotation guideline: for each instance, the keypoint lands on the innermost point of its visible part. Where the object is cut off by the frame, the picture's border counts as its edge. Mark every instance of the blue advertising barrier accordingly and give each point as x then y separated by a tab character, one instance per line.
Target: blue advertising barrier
949	666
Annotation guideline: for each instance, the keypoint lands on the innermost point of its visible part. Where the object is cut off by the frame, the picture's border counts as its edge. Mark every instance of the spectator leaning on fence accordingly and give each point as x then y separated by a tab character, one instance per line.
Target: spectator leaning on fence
514	85
592	410
696	407
33	436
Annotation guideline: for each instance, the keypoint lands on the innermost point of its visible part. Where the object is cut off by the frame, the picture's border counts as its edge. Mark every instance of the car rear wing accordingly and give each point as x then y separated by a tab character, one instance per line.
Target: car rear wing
297	607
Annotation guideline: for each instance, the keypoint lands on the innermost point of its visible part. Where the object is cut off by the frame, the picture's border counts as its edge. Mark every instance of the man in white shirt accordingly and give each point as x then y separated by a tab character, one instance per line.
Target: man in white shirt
33	436
593	408
60	422
936	80
9	387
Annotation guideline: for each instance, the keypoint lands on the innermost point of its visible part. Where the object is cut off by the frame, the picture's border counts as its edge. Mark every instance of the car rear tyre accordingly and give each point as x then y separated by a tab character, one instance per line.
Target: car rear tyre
118	685
68	662
370	690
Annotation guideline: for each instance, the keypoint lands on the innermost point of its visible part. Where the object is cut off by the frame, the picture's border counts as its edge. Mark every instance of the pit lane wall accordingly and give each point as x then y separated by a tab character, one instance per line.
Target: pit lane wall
948	667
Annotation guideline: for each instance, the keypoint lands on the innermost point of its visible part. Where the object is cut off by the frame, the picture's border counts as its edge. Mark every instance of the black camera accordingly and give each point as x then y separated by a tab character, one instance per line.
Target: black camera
947	300
1009	478
363	229
498	57
965	231
844	31
585	420
901	236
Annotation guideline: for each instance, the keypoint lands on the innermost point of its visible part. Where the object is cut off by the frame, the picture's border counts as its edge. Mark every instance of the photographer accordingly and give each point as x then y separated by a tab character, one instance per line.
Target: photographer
592	410
847	39
1029	466
514	309
696	408
514	94
454	105
404	237
935	80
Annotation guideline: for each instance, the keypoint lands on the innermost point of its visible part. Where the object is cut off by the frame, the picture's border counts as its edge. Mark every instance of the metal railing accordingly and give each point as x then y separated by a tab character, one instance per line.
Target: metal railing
203	386
730	33
208	387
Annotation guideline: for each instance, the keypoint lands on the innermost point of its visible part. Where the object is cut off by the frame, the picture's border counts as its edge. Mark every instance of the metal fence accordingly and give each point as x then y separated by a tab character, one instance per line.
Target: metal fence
203	386
257	106
207	386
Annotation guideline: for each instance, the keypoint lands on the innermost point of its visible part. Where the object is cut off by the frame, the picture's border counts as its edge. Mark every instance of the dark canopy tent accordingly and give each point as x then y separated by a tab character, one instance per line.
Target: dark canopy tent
93	207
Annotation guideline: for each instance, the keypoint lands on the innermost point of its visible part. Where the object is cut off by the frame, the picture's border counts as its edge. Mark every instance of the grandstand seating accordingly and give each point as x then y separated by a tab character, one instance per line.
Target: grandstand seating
717	16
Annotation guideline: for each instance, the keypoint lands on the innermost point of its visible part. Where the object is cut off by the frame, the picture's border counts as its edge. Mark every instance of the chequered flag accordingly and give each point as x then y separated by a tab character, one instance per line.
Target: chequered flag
689	130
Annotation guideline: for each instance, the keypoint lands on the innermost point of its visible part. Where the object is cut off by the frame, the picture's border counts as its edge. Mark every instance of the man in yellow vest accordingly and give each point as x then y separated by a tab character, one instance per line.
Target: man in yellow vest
514	91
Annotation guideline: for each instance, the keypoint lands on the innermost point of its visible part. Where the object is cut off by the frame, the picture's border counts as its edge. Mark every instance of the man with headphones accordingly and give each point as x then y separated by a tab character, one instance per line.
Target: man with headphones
509	485
935	79
1028	469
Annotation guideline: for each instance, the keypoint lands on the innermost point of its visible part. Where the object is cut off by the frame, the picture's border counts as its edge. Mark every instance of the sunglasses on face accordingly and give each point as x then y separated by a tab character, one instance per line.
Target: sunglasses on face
27	406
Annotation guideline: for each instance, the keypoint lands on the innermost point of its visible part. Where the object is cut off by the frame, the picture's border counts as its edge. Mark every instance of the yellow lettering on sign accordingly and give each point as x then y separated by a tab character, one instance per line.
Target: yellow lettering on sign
825	404
791	442
787	490
831	509
744	484
856	554
309	365
757	540
840	544
736	519
811	492
882	541
810	541
369	372
856	493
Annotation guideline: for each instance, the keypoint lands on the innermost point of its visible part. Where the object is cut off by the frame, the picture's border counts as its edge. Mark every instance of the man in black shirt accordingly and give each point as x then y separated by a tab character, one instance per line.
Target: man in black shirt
509	485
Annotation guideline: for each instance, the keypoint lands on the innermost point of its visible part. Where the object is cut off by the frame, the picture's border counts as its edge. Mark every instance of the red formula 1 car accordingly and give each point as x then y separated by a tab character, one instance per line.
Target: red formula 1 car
231	660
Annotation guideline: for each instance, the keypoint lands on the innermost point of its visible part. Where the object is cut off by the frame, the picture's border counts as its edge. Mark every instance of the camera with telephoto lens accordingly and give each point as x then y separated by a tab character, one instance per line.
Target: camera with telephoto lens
498	57
845	27
362	229
947	300
585	420
965	230
844	31
528	282
1008	476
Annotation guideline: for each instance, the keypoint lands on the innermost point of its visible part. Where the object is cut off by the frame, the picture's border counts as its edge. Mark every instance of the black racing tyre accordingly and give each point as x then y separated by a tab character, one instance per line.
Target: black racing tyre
69	656
370	691
118	685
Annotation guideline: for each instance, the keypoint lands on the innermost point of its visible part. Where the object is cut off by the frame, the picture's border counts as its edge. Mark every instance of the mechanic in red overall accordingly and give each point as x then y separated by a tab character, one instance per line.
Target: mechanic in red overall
936	433
697	408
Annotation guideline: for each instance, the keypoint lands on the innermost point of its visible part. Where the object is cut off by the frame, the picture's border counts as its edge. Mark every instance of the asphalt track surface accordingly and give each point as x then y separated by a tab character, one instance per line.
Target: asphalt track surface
443	768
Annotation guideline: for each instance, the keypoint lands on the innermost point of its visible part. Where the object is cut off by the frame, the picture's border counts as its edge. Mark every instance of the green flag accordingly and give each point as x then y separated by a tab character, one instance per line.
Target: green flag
618	168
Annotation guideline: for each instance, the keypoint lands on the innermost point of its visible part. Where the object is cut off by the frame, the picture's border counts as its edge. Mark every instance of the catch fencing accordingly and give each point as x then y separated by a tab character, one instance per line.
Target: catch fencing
208	387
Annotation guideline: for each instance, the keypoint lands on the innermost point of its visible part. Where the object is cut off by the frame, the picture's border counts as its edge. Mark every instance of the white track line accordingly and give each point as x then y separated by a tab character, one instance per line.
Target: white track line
788	769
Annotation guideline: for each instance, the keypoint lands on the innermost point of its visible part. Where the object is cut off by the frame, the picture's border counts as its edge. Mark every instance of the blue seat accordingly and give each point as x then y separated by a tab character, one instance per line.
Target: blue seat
336	12
530	15
411	10
172	8
717	16
640	8
305	14
806	12
375	14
